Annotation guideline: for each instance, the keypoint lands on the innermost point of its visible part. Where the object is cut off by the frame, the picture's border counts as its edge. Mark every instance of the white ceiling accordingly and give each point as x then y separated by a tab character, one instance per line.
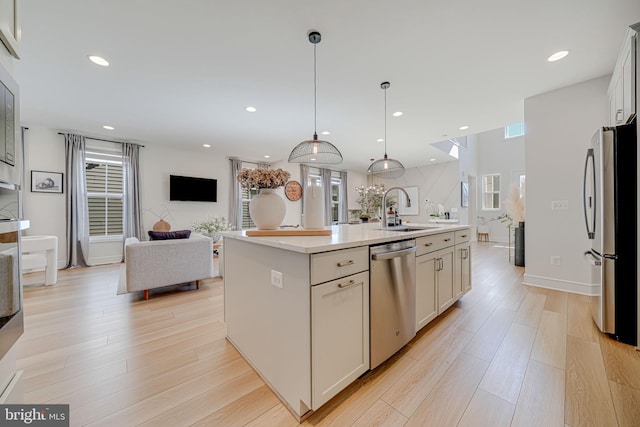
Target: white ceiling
182	72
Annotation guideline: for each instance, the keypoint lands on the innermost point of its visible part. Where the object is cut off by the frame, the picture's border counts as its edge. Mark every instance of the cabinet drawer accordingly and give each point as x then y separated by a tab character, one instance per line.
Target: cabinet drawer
462	236
327	266
434	242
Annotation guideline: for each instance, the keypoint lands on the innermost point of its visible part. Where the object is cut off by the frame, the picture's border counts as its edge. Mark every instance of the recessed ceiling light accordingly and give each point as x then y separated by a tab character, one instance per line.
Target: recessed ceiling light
326	132
465	127
251	109
313	160
206	145
432	160
398	114
444	134
99	60
107	127
266	156
558	55
379	140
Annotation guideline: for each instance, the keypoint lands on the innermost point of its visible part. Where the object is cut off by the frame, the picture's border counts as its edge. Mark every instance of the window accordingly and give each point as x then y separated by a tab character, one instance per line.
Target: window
335	200
247	195
491	192
103	172
518	179
513	130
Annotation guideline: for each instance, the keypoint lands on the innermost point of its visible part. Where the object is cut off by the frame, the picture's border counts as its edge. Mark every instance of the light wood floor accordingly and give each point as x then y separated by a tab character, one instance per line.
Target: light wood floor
505	354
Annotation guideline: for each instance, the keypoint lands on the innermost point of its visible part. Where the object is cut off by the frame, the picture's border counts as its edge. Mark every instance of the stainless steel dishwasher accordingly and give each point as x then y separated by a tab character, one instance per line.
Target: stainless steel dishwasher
392	298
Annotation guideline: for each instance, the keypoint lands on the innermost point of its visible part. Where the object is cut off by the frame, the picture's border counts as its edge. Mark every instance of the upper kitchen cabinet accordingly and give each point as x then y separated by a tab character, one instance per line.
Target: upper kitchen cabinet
10	26
622	88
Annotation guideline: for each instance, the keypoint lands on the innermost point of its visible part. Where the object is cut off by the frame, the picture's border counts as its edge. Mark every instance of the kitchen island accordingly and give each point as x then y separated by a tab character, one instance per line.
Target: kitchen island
297	307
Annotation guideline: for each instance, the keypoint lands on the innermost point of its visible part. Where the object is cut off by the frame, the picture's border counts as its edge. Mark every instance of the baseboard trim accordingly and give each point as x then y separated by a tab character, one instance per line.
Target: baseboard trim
104	260
560	284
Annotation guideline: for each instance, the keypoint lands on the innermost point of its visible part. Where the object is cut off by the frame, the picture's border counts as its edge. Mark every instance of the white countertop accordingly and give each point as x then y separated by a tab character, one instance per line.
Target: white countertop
444	221
343	236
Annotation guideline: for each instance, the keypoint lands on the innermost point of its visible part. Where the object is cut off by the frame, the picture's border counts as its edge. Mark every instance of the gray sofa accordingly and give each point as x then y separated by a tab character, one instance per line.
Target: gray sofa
157	263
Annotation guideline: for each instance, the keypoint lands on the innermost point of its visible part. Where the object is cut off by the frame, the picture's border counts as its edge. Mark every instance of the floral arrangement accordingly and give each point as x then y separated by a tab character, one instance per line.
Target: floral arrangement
263	178
370	199
211	226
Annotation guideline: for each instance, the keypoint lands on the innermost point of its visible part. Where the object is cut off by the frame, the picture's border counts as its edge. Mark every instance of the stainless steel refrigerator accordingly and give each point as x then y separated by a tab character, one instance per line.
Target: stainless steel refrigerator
609	193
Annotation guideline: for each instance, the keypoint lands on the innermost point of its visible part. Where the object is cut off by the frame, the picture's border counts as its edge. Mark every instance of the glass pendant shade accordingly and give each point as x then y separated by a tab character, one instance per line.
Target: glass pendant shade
386	168
315	150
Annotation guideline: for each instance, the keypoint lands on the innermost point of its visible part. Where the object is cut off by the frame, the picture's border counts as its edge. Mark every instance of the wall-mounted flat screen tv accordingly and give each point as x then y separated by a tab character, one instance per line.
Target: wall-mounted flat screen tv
187	188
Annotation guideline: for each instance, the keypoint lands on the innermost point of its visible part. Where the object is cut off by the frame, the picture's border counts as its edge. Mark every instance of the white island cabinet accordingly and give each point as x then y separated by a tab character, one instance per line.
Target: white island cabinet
297	307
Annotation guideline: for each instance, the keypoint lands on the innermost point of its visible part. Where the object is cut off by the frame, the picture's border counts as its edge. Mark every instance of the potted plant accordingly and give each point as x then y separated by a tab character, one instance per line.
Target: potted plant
211	226
364	217
370	199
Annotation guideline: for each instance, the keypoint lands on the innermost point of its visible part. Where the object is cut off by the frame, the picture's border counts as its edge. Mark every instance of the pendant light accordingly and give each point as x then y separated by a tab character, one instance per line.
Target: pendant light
386	167
315	150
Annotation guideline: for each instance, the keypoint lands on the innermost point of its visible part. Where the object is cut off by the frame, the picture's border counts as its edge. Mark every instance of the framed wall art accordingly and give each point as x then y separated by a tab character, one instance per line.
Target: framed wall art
46	182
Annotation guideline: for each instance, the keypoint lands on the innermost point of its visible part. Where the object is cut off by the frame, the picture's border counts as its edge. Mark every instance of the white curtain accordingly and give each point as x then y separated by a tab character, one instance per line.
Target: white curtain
77	210
132	223
344	199
235	196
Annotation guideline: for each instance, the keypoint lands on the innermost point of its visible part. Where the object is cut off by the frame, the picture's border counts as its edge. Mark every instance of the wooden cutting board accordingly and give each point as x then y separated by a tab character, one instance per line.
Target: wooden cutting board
289	232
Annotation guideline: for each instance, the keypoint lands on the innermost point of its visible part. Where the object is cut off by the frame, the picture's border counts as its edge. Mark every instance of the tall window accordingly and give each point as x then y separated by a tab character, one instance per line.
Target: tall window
513	130
336	200
247	195
103	171
491	192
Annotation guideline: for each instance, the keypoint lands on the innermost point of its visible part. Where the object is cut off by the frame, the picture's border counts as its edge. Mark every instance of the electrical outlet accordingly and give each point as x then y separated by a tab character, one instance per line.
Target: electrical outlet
555	260
559	205
276	279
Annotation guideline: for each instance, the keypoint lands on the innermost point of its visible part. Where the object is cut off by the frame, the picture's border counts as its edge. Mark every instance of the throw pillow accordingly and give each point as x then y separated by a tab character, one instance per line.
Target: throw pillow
168	235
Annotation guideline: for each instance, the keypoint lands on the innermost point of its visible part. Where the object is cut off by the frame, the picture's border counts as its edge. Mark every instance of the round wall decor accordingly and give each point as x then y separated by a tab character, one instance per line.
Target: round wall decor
293	190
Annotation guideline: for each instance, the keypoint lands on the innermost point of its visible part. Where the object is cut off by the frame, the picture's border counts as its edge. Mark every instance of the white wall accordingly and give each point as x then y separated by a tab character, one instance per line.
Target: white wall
45	151
559	126
158	162
495	154
440	183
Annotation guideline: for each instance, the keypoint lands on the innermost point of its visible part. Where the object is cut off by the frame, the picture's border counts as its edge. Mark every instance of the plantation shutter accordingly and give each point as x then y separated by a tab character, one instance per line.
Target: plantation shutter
104	194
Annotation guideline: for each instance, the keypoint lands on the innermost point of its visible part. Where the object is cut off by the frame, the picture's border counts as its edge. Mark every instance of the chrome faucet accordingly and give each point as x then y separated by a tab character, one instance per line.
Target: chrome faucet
384	204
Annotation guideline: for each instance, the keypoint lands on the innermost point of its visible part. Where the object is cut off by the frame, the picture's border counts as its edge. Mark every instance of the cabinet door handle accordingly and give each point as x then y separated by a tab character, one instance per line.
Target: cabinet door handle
429	244
447	240
440	265
345	263
466	253
346	285
463	236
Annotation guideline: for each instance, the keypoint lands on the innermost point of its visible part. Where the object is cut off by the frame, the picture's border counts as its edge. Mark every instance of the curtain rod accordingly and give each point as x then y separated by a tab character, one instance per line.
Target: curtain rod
105	140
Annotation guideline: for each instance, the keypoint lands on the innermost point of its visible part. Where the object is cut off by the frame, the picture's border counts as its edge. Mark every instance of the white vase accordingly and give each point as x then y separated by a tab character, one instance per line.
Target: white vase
313	217
267	209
